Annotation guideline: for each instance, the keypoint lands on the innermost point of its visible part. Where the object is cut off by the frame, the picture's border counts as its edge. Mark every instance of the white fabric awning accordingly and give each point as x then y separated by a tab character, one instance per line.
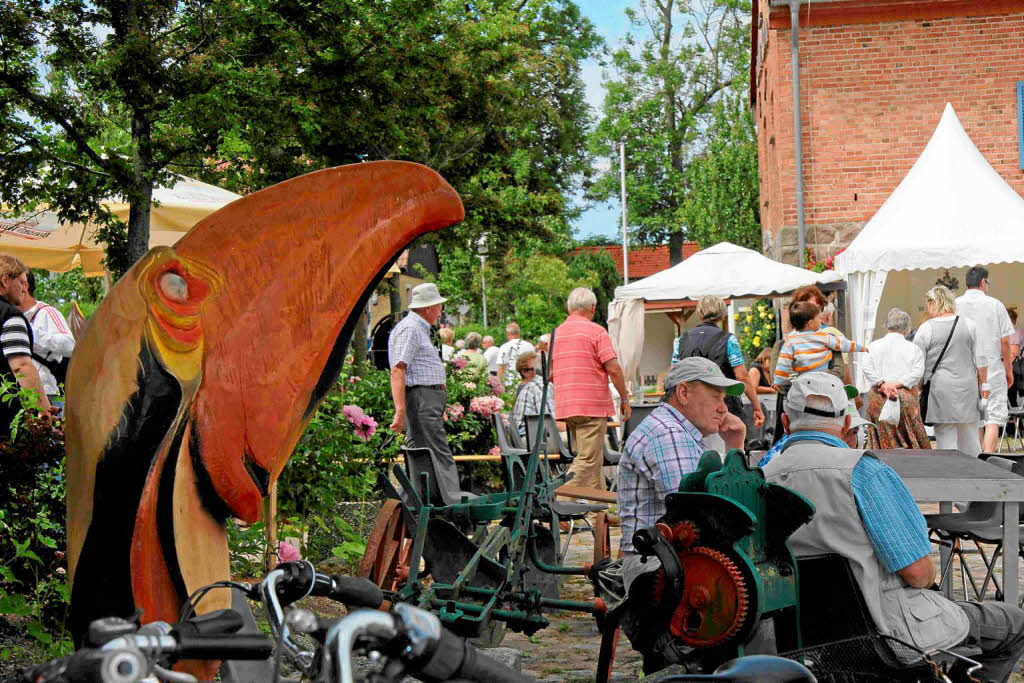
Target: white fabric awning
952	209
727	271
42	242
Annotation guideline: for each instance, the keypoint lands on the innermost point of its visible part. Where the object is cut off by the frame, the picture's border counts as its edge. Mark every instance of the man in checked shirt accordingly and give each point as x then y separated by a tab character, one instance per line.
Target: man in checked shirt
418	386
669	443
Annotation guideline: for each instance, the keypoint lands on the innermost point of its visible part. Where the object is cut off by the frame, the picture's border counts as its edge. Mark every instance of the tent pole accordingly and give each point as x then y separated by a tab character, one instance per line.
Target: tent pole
625	238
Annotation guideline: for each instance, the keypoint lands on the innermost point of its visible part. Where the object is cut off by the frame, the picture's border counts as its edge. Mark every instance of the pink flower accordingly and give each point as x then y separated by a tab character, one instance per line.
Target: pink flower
61	571
494	451
354	414
353	379
286	552
469	385
460	362
497	388
366	428
486	405
454	412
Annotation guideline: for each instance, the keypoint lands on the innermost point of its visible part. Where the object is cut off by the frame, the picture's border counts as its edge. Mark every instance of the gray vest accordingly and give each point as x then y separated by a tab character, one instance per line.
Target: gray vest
822	474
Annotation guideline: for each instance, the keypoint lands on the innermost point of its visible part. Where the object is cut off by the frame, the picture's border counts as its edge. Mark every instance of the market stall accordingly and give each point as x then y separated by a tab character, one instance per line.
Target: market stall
665	301
951	211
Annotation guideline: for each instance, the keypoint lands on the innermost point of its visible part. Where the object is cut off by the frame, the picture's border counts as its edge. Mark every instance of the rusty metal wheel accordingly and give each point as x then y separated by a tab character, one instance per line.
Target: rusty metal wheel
388	549
602	537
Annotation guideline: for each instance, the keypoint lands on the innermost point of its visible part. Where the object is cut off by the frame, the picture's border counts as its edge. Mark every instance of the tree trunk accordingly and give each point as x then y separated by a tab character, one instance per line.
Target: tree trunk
359	338
675	248
141	199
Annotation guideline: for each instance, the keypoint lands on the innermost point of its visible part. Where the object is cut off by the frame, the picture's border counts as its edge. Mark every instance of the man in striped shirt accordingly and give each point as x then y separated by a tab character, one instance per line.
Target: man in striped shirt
582	363
16	341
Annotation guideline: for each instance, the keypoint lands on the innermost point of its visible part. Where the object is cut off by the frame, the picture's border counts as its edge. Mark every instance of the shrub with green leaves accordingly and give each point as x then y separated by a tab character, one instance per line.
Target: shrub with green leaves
755	327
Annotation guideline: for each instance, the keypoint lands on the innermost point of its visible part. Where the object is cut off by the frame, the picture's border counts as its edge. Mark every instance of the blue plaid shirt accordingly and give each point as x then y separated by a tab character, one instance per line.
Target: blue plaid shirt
893	522
661	449
410	343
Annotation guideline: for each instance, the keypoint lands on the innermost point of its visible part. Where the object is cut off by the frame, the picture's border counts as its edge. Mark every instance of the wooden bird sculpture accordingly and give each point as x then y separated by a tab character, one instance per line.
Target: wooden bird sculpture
195	378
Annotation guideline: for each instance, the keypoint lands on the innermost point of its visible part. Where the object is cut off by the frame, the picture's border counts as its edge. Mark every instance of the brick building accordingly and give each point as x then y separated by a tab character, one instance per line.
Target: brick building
643	261
875	77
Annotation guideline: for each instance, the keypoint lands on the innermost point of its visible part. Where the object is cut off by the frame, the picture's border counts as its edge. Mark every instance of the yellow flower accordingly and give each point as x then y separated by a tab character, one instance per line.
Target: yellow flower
735	316
750	318
757	341
746	328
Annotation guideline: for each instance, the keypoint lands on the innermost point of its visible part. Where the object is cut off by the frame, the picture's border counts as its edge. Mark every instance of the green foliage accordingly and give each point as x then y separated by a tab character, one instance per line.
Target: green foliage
109	98
60	289
661	91
597	271
755	327
33	584
723	201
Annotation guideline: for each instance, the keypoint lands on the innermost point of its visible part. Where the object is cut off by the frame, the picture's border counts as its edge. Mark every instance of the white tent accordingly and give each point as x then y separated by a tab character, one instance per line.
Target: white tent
42	242
950	212
723	270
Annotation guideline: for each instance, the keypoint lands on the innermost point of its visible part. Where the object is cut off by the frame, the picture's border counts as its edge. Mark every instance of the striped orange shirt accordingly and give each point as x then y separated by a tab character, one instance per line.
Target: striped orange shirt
581	348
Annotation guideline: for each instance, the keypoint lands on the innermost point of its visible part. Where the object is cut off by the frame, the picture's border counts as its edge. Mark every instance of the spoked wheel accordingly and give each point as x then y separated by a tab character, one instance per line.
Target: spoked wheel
388	549
602	537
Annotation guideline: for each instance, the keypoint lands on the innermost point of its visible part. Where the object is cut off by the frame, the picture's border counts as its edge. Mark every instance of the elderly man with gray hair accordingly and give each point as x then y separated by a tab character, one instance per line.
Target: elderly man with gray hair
582	363
864	512
894	368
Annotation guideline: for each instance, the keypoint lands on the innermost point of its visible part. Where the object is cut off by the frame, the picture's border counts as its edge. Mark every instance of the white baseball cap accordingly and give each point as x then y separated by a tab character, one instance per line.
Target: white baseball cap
425	295
823	384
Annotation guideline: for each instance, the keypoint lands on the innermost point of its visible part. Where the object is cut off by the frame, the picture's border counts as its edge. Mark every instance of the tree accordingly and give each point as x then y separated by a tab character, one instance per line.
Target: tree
723	203
596	270
488	94
660	101
110	97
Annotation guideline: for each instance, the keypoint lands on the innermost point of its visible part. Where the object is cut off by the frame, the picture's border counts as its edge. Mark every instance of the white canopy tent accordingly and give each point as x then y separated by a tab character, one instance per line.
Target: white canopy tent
724	270
951	211
42	242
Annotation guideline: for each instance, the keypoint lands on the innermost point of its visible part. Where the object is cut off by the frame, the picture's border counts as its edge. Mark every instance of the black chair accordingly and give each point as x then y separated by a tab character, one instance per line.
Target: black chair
981	523
840	639
639	412
504	434
419	461
552	443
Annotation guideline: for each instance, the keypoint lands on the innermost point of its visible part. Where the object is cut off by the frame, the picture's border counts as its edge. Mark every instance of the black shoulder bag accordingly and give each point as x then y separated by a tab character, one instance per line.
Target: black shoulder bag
926	389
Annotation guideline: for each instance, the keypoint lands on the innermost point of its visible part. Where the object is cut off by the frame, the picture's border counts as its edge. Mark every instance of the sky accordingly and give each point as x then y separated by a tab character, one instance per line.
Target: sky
609	18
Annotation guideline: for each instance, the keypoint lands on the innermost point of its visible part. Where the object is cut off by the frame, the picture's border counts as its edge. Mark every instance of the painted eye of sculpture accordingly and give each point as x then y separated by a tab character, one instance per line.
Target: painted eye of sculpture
174	287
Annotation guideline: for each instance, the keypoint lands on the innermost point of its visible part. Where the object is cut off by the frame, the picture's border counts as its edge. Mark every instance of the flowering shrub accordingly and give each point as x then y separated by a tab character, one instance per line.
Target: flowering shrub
755	328
486	405
33	577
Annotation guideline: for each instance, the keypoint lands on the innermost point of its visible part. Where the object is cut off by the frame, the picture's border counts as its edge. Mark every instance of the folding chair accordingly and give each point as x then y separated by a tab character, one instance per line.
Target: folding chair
980	523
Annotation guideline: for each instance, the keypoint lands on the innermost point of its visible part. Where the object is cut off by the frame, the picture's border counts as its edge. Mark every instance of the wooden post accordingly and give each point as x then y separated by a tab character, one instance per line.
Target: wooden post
270	532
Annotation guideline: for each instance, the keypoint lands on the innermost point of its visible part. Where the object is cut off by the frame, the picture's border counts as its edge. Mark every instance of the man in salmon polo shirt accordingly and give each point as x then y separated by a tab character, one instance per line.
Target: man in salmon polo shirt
582	362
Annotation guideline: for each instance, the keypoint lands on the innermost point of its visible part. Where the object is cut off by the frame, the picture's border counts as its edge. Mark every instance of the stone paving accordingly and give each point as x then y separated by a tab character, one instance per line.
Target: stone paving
568	649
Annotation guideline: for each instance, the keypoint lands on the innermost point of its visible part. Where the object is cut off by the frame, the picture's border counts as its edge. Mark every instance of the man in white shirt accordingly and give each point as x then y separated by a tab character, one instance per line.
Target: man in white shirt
994	330
51	337
491	354
509	353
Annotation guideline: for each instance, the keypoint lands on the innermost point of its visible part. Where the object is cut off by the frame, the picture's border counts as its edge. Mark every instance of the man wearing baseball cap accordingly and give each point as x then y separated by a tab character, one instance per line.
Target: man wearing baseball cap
418	385
669	443
864	512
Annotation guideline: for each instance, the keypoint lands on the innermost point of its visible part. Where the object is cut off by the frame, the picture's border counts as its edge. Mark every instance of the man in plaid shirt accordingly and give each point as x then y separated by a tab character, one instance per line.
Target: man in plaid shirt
418	386
668	444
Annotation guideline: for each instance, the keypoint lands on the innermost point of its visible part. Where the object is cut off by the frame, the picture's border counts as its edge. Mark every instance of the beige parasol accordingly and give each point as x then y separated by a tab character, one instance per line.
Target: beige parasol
41	241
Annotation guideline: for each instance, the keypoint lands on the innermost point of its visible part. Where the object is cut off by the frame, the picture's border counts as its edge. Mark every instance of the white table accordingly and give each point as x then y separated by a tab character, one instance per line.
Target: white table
946	476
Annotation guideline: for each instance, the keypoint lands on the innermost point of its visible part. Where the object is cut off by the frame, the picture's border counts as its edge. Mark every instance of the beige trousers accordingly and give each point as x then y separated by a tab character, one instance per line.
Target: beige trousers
588	439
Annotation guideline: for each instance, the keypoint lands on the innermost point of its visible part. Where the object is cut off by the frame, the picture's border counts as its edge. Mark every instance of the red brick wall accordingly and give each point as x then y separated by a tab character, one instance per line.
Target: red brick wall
872	95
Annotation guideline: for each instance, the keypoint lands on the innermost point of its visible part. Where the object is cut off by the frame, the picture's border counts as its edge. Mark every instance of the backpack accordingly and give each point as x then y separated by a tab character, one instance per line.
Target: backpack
1018	372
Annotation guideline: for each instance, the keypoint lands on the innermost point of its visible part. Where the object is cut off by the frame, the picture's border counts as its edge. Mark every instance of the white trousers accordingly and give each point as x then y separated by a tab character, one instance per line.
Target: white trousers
961	436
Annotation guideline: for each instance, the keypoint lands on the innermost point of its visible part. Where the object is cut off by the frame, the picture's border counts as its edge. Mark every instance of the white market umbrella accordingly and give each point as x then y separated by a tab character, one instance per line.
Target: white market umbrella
42	242
727	271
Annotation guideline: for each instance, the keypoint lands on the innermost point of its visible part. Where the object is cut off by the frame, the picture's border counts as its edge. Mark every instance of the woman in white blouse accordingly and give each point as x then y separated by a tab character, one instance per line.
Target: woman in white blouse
894	368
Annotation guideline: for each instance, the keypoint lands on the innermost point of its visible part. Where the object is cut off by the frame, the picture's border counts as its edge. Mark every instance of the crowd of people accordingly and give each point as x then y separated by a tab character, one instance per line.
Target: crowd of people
36	342
952	372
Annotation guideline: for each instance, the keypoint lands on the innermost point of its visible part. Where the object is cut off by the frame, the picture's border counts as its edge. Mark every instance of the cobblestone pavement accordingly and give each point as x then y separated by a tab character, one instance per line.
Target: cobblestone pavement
568	649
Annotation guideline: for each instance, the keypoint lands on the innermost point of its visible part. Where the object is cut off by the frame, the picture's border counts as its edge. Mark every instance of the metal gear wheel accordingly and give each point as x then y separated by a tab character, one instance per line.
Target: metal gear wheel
715	601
